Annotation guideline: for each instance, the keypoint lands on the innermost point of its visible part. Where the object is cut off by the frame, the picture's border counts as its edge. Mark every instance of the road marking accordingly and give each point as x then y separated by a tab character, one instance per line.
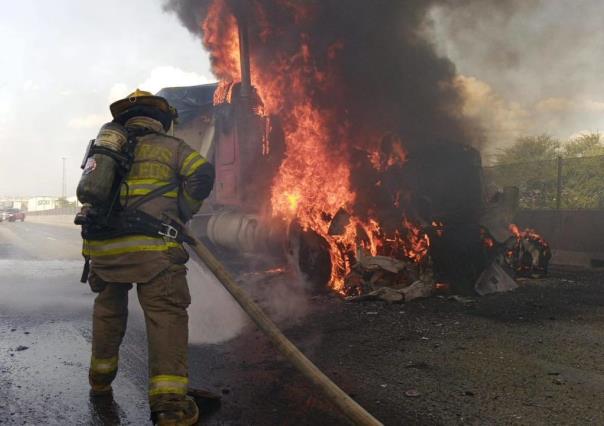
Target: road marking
51	238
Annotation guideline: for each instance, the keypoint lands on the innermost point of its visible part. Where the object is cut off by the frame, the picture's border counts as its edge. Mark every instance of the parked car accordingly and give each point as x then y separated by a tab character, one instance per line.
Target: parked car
13	215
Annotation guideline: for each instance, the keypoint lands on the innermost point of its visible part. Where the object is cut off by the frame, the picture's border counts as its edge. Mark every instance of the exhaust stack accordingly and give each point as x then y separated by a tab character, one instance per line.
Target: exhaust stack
244	56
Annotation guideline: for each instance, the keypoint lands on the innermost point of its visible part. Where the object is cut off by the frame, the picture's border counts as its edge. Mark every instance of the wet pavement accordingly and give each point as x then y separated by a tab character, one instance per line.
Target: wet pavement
45	335
45	330
532	356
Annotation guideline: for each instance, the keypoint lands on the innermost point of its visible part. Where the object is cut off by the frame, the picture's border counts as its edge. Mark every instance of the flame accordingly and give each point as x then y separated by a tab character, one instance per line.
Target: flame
279	270
531	234
528	233
438	227
517	255
514	230
441	287
313	181
223	93
221	39
487	239
293	199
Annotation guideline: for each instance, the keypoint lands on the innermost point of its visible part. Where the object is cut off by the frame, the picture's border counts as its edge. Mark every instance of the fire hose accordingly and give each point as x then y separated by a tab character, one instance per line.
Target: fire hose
350	408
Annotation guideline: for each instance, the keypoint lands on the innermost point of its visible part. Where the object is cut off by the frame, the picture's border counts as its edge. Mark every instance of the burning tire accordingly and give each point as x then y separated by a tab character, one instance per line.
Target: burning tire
308	253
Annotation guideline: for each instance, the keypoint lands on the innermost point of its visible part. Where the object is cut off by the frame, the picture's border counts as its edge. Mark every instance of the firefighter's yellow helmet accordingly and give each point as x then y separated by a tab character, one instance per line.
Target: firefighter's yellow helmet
141	97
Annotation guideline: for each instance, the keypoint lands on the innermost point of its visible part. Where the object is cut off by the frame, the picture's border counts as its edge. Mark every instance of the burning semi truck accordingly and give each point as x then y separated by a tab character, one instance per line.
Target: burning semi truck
336	164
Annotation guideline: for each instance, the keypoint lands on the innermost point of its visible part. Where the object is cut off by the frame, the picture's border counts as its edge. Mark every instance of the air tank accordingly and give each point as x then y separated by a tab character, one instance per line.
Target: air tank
96	184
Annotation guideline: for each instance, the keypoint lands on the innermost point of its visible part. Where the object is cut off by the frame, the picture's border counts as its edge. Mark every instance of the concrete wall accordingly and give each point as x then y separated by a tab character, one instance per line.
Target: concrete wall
72	210
575	236
63	220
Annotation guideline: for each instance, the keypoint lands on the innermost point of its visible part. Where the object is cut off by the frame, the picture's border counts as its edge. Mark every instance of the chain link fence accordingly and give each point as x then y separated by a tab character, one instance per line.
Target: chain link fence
562	184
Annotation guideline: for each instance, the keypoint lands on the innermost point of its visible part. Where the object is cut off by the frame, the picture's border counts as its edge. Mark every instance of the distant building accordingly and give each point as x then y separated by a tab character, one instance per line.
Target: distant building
14	203
40	203
37	204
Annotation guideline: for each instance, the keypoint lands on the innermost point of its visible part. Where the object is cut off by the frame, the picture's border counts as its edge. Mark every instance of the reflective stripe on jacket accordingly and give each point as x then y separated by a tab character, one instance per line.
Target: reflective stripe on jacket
155	167
128	244
159	160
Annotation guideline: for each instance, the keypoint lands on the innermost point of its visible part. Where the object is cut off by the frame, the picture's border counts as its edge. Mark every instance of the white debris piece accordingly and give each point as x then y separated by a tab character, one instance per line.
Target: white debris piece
494	280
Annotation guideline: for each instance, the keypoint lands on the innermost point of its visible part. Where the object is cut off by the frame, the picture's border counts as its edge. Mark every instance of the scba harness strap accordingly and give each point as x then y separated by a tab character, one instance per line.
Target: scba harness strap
134	223
130	220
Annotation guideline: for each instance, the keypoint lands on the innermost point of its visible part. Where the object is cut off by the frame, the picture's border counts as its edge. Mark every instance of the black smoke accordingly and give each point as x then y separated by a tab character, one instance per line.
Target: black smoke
376	69
190	12
388	70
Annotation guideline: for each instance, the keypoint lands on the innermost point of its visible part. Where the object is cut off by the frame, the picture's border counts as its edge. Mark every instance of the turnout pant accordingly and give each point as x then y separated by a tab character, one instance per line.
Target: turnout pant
164	300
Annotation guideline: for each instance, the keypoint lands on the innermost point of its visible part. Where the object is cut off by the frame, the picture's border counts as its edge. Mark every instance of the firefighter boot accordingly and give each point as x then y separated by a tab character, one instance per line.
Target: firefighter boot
101	391
100	381
184	417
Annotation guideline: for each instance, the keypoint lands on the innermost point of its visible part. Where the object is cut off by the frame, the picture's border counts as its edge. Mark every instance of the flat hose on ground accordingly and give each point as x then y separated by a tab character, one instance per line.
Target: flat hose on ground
357	414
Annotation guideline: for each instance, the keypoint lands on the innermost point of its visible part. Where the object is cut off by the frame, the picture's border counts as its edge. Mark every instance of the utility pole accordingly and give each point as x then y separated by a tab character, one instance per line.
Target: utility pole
559	184
63	184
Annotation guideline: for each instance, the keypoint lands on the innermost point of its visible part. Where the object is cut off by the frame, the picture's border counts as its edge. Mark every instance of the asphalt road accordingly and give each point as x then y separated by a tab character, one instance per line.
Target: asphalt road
45	335
45	332
532	356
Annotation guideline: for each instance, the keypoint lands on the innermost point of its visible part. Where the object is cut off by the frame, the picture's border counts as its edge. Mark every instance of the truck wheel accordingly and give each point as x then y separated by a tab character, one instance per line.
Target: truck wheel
311	252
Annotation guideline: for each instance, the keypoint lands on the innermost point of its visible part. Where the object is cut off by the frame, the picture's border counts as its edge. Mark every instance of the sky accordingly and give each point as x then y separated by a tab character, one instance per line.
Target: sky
63	62
535	68
528	67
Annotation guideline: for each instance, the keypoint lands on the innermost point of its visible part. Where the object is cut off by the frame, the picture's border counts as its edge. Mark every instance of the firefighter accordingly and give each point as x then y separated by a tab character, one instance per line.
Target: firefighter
164	187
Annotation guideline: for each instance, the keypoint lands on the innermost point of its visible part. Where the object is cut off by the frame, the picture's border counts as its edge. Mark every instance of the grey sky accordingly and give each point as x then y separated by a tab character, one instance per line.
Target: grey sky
542	61
533	71
62	63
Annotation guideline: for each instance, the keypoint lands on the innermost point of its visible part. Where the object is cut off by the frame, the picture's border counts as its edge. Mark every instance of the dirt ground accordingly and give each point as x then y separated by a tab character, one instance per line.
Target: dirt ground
532	356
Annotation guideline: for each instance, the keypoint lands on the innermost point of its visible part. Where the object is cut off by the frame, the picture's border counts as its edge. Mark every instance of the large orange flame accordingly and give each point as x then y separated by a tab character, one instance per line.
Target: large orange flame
313	181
